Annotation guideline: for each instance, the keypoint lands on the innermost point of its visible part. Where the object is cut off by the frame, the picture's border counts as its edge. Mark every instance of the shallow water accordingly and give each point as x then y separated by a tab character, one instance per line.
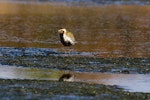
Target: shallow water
115	31
130	82
119	33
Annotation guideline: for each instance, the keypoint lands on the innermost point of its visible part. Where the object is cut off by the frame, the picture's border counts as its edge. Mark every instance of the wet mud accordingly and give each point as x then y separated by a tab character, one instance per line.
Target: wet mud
74	61
52	59
115	41
38	89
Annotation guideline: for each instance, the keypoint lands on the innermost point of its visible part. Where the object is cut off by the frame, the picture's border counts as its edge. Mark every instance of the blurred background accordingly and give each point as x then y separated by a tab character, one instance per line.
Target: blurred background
112	28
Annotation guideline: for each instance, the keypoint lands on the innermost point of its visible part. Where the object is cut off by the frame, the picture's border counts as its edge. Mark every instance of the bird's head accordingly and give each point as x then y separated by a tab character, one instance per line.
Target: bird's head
62	31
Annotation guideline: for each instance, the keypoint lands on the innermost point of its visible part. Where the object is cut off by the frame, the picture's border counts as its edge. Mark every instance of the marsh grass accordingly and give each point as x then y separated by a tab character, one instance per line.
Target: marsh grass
112	28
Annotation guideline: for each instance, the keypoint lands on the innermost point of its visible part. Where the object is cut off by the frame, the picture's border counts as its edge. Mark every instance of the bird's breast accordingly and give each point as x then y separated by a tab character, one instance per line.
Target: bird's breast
65	40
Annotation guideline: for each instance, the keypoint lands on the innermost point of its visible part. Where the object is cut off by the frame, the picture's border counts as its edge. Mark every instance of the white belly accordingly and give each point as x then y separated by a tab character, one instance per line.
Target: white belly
67	38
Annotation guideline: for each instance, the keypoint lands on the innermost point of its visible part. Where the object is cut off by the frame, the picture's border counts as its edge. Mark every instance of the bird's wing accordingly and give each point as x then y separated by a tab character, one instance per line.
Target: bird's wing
69	39
71	36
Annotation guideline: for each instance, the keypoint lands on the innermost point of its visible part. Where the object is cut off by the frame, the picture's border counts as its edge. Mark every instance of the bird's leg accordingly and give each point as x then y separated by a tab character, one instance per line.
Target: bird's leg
65	50
70	50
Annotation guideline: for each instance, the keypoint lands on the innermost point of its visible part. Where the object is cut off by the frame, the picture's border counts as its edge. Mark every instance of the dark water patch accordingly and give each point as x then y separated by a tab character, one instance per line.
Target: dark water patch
15	52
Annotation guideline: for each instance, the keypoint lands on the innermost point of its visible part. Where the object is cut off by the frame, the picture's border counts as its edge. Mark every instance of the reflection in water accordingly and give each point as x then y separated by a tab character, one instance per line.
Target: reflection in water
131	82
67	77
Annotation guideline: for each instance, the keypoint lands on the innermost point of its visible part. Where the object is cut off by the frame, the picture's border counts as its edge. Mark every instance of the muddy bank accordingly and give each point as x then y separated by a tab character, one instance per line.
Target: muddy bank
74	61
35	89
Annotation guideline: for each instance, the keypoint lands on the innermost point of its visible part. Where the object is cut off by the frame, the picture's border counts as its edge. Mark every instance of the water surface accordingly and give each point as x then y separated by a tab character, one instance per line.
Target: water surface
112	38
130	82
114	31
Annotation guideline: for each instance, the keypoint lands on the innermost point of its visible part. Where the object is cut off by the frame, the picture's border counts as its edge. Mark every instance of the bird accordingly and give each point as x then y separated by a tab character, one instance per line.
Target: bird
67	38
66	77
